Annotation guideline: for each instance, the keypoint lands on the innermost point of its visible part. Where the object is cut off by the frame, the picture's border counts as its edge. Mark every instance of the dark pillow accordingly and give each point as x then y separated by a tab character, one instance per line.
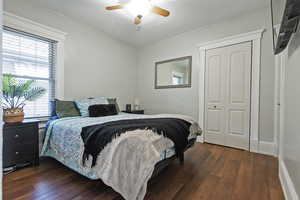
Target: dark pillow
66	109
114	101
101	110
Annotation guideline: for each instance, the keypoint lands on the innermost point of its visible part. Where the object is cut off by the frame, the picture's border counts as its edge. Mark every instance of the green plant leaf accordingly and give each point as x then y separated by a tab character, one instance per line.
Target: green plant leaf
34	93
17	91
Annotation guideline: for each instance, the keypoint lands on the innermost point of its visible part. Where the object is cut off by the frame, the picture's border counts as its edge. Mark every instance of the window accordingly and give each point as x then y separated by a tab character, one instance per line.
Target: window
28	56
177	78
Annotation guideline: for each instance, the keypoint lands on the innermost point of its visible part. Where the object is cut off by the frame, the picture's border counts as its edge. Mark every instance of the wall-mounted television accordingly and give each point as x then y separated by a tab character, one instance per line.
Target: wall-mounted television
286	14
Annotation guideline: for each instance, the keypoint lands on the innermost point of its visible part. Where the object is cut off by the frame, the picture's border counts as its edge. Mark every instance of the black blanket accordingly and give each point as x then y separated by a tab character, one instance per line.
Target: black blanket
96	137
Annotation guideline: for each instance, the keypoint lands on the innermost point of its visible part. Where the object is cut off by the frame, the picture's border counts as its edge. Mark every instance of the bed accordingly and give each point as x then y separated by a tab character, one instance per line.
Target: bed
63	142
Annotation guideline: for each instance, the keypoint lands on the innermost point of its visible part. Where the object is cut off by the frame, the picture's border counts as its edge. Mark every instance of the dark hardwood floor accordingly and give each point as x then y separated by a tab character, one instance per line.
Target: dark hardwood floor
210	172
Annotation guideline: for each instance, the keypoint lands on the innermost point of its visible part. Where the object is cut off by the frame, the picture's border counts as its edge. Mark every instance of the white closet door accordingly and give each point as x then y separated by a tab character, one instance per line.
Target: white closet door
227	95
215	96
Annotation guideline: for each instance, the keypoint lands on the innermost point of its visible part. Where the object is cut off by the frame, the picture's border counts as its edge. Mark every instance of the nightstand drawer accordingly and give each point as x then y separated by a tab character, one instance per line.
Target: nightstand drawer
10	157
141	112
23	135
24	152
21	143
134	111
18	153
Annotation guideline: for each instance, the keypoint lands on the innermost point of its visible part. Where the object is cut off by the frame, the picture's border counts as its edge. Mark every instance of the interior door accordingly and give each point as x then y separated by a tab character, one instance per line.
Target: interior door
279	98
215	96
277	94
227	95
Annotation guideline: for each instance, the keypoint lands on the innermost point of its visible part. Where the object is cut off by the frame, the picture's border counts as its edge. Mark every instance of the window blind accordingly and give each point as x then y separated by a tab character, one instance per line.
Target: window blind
31	57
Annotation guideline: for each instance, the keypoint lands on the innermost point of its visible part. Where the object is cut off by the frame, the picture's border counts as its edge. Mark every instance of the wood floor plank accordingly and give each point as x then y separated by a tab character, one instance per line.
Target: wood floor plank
206	189
224	188
273	180
260	181
198	177
177	175
242	187
210	172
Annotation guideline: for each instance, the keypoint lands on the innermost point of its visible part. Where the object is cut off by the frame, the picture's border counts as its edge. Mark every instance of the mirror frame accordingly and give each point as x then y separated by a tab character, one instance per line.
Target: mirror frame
188	85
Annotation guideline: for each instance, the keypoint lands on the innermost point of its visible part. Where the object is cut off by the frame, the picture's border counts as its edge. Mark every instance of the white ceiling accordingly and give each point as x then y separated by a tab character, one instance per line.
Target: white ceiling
185	15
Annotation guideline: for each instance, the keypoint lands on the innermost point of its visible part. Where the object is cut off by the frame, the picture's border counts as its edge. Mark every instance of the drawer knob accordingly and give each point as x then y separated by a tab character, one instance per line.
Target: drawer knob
16	136
17	152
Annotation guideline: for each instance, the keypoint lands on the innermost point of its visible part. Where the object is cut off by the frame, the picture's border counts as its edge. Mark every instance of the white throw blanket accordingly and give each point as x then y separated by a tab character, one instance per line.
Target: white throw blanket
127	163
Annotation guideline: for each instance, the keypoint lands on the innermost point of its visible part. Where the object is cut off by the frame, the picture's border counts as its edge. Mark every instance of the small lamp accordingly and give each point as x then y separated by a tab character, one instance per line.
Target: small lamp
136	104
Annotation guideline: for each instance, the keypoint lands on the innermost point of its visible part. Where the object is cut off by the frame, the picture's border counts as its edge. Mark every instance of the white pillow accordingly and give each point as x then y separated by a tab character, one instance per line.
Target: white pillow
84	104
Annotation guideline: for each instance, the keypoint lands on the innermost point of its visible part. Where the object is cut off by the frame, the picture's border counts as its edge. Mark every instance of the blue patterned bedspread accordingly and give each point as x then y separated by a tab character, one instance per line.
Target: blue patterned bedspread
63	140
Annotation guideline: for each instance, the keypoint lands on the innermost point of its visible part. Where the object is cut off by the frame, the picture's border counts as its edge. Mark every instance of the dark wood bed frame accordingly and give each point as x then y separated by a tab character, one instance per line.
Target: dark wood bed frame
161	165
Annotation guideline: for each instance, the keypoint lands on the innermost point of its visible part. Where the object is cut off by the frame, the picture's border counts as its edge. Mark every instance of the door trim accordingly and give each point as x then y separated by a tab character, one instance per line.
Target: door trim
283	57
280	65
255	38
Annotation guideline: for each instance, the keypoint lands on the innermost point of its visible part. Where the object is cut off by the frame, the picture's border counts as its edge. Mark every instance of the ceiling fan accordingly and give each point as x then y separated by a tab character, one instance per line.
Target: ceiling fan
139	8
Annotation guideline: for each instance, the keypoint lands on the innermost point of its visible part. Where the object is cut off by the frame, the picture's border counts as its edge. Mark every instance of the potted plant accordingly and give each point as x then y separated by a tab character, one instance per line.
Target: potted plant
15	94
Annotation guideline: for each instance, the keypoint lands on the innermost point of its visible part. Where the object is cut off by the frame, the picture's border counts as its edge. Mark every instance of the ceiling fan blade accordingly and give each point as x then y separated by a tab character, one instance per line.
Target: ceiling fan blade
160	11
114	7
138	19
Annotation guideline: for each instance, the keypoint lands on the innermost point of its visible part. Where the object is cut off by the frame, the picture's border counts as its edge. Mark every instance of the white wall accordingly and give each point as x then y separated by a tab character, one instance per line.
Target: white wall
291	134
185	100
95	64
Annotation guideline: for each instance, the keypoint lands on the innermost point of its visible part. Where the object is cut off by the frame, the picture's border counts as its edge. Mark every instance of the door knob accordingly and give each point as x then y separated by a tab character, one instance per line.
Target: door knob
215	106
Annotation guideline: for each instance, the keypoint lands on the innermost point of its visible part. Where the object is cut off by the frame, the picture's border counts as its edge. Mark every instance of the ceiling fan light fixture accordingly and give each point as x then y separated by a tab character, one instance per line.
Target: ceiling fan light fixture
139	7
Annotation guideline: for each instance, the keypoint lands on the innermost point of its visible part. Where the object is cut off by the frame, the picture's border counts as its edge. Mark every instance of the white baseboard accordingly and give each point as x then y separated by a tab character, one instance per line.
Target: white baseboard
286	182
254	146
268	148
200	139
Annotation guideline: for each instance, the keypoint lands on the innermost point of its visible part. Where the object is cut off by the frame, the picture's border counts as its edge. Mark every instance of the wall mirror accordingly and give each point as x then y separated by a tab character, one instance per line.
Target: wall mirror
174	73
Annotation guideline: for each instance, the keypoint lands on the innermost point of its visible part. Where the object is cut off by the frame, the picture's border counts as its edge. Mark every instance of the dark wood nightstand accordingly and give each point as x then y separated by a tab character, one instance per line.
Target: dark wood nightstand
134	111
21	143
